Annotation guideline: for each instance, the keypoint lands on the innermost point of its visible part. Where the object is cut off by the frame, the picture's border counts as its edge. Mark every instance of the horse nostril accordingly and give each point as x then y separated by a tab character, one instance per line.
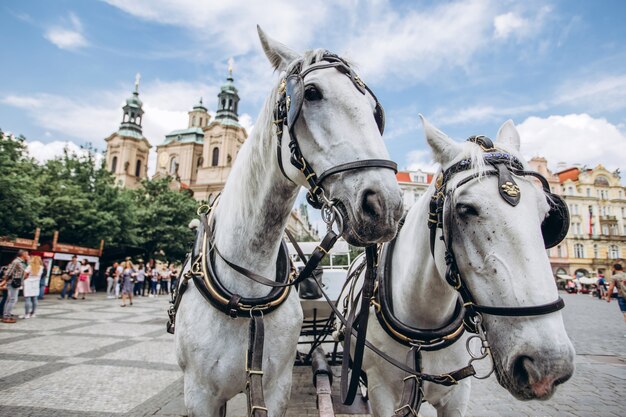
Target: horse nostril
372	204
524	370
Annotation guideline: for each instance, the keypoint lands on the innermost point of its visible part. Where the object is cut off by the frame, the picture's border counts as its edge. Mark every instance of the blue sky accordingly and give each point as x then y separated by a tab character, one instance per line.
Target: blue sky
557	68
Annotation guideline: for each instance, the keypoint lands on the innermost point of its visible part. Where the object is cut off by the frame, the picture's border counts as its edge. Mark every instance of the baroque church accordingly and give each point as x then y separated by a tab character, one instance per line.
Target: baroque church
198	158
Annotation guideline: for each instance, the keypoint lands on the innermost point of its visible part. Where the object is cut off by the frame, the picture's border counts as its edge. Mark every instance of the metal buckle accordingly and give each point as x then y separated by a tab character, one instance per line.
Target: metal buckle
407	407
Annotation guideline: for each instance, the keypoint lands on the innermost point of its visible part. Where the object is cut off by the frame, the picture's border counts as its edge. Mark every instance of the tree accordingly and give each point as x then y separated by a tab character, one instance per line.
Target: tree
20	201
163	217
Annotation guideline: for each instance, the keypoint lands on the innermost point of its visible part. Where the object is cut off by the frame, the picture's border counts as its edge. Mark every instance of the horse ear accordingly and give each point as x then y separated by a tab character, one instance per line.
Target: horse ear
508	136
278	54
444	148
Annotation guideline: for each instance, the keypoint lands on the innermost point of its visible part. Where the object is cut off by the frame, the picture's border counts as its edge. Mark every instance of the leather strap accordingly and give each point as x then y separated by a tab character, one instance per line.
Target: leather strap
366	163
412	393
350	380
177	295
449	379
254	368
520	311
318	254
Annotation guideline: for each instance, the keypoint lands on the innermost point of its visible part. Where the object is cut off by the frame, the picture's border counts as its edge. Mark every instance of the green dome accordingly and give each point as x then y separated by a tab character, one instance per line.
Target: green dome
134	100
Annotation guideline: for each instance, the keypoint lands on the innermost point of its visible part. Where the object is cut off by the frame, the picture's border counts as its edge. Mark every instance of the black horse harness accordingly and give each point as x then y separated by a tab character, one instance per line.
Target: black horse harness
200	262
468	314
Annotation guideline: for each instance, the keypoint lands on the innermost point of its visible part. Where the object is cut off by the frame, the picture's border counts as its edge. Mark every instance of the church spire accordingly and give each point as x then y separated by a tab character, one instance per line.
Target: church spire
133	111
228	99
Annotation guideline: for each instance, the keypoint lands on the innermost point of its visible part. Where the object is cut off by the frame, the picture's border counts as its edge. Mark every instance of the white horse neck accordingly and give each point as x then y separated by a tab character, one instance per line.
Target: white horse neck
252	212
421	296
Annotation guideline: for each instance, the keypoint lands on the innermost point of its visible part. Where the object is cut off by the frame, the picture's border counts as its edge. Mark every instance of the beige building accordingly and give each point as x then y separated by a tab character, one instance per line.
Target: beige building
597	235
413	185
127	149
201	156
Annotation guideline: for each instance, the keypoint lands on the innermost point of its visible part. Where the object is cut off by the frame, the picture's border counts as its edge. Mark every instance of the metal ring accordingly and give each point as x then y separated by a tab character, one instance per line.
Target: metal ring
203	209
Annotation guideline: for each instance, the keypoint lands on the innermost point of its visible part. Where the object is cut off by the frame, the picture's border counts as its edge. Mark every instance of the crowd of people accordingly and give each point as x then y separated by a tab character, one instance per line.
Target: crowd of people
125	280
128	280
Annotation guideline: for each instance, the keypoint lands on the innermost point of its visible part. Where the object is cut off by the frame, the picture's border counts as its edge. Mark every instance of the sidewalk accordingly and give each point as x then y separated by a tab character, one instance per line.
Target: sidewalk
93	358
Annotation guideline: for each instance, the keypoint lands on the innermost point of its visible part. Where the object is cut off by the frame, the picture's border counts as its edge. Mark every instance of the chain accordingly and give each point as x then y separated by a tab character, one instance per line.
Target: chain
485	348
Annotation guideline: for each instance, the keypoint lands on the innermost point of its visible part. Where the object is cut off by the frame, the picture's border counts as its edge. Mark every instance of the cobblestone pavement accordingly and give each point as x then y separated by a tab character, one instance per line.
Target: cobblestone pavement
93	358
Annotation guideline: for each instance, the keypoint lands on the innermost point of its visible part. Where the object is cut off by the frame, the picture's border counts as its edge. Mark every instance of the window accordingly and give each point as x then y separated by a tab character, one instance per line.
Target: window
138	120
216	157
570	190
200	122
114	164
559	251
138	168
579	250
588	192
575	209
614	252
199	164
193	120
605	229
596	252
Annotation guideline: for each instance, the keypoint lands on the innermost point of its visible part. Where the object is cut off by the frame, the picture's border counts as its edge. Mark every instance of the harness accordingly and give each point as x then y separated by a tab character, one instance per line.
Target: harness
468	314
200	264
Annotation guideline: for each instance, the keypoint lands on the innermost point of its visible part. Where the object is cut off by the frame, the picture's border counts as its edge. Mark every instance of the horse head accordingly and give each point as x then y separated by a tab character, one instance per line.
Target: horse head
330	141
494	228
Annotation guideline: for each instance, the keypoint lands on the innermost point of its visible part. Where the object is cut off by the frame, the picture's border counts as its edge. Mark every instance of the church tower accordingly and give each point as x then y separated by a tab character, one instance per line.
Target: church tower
127	149
222	140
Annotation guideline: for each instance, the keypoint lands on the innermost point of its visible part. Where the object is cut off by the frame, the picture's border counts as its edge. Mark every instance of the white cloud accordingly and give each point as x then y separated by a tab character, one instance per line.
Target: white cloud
573	138
231	24
43	152
421	159
513	24
508	23
603	93
69	35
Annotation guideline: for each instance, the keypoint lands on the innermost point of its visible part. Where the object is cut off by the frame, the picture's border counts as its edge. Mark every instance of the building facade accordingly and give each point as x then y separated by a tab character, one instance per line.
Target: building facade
413	185
597	235
127	149
201	156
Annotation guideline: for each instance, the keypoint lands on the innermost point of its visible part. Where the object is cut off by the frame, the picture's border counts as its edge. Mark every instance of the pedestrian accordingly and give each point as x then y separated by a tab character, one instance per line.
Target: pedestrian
32	278
140	279
128	275
69	285
109	273
174	279
618	280
118	279
84	277
15	276
601	285
166	275
3	287
154	282
42	283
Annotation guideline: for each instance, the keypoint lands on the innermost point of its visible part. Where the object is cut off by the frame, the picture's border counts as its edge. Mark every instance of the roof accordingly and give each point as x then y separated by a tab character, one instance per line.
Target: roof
569	174
403	176
227	122
192	134
130	133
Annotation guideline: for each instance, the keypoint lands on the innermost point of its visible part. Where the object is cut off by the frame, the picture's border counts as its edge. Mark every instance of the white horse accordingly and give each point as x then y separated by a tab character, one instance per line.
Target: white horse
501	257
336	126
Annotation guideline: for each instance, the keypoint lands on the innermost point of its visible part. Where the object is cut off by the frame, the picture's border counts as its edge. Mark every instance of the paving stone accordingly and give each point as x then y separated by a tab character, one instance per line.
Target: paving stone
119	329
12	367
159	351
91	388
56	345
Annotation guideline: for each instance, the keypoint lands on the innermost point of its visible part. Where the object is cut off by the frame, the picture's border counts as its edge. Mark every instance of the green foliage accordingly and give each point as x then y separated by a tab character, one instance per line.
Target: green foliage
73	195
164	215
20	202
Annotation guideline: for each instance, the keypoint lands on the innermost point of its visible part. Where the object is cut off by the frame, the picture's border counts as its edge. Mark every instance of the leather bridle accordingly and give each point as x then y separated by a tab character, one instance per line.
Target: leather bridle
287	112
441	212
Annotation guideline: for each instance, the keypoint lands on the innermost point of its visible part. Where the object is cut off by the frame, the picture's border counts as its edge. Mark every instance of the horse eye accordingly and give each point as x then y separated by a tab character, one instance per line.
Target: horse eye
466	210
311	93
